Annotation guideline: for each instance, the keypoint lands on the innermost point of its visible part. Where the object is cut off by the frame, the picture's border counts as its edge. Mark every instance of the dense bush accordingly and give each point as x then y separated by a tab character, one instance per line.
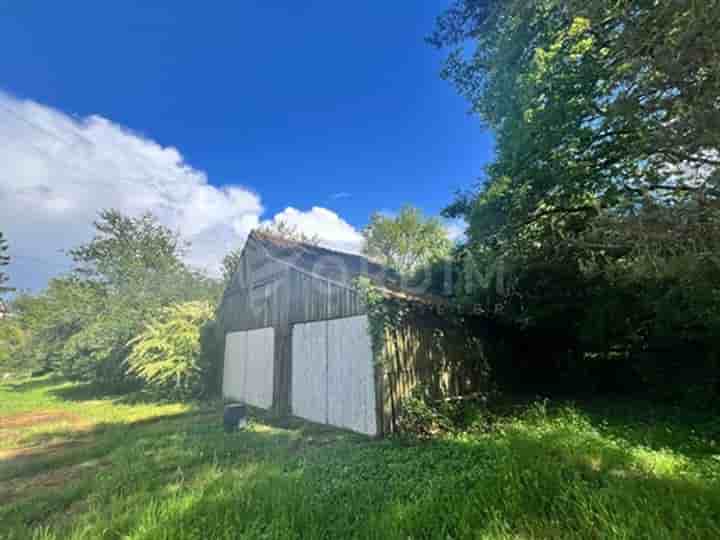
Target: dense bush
167	355
13	343
422	418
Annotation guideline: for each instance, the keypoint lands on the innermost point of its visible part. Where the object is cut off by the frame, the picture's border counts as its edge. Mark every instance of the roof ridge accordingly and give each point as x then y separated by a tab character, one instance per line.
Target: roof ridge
260	235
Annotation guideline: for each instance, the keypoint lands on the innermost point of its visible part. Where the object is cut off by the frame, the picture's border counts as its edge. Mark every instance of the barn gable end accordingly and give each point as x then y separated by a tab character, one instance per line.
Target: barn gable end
280	283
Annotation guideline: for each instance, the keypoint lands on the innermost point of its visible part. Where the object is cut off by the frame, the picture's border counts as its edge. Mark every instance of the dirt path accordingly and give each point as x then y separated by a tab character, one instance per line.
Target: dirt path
24	443
34	418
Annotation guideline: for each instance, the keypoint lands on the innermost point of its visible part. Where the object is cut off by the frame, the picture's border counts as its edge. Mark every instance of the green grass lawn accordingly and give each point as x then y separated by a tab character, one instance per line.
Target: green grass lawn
77	464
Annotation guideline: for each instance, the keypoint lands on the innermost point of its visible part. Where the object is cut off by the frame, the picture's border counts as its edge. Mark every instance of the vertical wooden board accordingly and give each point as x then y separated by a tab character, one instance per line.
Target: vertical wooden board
227	367
300	354
309	371
234	365
351	376
268	374
260	367
283	369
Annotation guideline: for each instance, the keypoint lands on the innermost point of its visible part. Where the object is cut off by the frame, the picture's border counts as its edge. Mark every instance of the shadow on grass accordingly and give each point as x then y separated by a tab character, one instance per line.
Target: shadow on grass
35	383
58	448
182	477
691	432
124	394
518	485
137	462
56	385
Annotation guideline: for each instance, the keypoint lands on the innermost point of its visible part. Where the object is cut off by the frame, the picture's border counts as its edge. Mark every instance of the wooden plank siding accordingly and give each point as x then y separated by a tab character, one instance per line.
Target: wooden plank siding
427	352
268	293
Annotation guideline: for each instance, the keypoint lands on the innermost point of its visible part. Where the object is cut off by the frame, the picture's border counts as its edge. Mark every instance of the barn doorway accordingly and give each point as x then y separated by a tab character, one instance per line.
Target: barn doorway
333	374
249	366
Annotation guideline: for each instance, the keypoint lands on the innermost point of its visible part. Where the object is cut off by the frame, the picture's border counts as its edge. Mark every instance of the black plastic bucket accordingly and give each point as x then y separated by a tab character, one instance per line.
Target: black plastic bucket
235	415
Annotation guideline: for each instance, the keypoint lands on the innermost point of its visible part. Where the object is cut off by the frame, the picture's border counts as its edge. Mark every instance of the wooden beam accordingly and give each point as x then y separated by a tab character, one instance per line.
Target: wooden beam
282	372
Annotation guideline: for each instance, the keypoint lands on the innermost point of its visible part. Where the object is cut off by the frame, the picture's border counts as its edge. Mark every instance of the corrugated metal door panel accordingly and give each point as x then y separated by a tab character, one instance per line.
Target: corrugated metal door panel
249	366
333	376
234	366
351	375
260	367
309	371
339	379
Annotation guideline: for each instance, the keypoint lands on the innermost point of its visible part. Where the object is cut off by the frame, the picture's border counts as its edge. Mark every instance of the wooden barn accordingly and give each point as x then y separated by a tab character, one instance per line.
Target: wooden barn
298	339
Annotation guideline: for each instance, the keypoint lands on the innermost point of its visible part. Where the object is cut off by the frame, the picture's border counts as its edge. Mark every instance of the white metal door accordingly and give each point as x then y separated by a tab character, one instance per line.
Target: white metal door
333	374
351	375
309	371
249	367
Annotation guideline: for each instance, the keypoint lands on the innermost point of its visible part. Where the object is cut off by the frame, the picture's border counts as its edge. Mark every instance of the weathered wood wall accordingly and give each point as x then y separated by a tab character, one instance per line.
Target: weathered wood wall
267	293
439	355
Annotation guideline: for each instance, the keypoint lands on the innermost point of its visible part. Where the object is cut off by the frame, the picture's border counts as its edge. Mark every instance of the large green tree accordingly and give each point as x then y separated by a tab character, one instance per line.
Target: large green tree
406	242
52	319
600	109
127	250
126	275
594	104
599	215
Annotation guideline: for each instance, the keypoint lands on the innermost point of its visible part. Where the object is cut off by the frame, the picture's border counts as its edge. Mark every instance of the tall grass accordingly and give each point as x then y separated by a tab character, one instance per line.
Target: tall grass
543	473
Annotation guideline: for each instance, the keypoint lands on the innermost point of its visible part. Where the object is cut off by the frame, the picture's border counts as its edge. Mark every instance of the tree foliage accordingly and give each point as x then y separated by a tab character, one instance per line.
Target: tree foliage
406	242
598	218
54	317
283	229
13	343
126	275
128	250
230	264
167	354
594	104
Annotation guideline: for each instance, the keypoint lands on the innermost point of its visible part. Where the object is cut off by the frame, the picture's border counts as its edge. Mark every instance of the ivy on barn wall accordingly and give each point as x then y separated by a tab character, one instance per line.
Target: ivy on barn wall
381	314
387	314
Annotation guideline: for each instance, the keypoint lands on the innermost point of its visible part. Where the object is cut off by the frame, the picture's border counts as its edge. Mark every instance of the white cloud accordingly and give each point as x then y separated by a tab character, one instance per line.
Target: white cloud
456	229
58	171
331	229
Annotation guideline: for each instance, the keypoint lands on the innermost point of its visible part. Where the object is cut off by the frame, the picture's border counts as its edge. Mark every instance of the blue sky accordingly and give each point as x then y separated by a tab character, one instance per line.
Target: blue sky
305	104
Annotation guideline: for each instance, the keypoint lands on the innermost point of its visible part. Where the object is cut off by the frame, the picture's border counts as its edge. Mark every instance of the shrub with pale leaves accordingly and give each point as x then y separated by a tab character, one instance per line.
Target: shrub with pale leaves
168	354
